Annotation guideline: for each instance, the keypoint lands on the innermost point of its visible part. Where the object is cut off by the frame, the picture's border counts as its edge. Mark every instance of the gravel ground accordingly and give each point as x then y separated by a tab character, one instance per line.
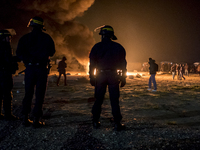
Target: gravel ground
166	119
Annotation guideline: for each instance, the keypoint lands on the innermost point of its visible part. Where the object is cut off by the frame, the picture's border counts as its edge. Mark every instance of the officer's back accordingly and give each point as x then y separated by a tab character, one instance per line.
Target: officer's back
37	46
109	54
107	57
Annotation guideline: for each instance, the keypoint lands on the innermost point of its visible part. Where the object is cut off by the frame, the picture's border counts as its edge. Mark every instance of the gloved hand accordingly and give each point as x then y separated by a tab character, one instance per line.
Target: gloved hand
92	81
123	82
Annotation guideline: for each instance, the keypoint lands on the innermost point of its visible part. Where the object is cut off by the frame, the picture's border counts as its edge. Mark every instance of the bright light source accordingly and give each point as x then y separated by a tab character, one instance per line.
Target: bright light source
127	73
95	71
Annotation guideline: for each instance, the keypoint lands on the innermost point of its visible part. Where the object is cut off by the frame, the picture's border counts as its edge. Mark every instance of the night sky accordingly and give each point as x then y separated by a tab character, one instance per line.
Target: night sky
166	30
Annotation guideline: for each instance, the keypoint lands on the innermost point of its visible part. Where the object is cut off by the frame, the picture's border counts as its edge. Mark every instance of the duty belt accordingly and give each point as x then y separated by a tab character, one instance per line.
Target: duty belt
36	64
107	70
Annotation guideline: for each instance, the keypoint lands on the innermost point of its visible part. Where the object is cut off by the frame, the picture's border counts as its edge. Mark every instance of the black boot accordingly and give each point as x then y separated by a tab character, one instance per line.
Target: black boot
119	127
1	117
10	117
37	123
96	124
25	121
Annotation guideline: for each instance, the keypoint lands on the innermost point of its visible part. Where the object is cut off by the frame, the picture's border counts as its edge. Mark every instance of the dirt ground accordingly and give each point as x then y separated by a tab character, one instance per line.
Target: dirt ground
166	119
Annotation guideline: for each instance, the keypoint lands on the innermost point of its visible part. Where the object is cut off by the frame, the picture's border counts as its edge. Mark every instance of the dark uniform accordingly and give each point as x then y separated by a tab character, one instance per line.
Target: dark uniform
107	57
6	78
34	49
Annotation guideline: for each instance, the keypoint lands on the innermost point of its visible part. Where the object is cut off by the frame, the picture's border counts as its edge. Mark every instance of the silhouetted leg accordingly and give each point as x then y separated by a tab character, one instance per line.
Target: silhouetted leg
65	79
100	90
40	93
150	82
29	91
154	81
58	79
114	98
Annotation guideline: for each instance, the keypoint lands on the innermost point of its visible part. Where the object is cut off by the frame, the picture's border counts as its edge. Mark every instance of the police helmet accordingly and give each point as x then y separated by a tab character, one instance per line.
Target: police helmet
4	33
108	31
36	22
7	33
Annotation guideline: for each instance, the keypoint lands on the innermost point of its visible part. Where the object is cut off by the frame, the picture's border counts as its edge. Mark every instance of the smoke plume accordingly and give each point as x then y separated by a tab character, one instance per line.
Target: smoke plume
72	39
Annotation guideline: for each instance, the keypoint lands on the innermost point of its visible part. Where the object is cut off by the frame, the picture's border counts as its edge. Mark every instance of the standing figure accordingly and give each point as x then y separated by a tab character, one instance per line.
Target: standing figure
198	69
186	69
7	67
177	71
182	71
162	67
61	69
108	58
35	49
173	70
153	69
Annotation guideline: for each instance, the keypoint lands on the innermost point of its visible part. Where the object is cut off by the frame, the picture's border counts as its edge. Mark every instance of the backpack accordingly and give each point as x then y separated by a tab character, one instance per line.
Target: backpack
156	67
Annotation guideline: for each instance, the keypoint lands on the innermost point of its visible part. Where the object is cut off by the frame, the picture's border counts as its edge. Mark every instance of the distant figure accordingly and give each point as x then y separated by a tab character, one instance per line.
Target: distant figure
7	68
182	71
61	69
162	67
186	69
173	70
177	70
35	49
169	67
198	69
152	69
107	57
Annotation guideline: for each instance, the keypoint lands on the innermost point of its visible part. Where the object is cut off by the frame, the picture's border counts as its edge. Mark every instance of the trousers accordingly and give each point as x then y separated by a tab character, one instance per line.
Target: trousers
6	85
35	77
103	80
152	79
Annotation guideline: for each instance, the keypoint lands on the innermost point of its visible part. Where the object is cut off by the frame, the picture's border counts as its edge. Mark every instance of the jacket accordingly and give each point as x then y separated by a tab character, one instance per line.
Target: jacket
153	67
35	47
108	55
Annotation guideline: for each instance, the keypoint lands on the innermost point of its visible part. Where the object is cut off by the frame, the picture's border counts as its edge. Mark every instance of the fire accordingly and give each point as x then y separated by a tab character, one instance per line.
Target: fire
87	69
127	73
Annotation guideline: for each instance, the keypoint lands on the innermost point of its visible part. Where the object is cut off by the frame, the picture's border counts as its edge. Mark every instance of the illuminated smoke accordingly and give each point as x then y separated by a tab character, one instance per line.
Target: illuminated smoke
59	10
71	38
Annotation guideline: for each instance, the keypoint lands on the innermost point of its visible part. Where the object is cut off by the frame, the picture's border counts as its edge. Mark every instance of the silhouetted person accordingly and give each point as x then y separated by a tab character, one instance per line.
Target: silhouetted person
7	67
173	70
107	57
152	70
186	69
35	49
61	69
198	69
162	68
178	71
182	71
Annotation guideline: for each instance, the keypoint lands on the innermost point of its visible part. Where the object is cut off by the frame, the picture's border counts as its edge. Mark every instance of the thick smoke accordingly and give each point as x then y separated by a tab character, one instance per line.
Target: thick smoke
59	10
72	39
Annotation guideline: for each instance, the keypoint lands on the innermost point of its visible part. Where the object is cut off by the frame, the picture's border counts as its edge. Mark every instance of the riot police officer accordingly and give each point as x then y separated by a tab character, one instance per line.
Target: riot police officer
6	78
107	57
35	49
